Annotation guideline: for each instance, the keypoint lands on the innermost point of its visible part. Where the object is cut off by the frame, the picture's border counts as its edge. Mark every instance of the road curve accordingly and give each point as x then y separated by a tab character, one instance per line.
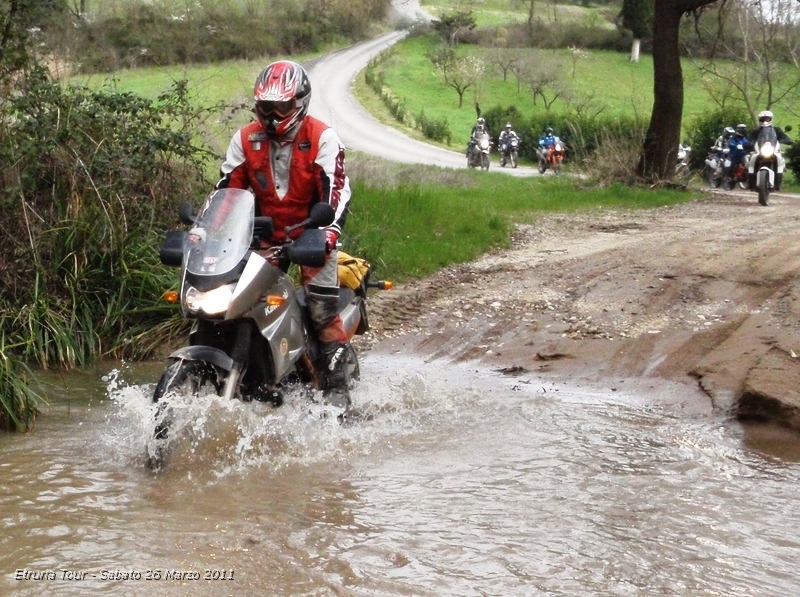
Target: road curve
333	102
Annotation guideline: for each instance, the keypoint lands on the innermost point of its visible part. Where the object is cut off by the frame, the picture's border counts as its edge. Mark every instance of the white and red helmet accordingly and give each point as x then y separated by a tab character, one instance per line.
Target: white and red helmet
282	94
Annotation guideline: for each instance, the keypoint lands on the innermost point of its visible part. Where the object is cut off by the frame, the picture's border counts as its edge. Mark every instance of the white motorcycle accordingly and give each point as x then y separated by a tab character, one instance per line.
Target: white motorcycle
682	167
478	156
509	152
766	165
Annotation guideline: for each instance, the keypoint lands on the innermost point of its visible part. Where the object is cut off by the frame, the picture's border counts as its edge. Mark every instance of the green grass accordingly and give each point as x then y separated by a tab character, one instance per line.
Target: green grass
493	13
619	86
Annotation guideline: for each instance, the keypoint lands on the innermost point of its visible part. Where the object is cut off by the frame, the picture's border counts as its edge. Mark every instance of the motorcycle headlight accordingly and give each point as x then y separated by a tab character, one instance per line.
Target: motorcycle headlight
212	302
484	144
767	150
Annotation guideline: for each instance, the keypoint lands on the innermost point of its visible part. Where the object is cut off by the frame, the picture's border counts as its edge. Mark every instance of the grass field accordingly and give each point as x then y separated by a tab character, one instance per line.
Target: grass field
617	85
490	13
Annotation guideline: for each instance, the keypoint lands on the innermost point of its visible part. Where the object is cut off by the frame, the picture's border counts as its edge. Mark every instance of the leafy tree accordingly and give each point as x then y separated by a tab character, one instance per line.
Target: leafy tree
637	16
449	25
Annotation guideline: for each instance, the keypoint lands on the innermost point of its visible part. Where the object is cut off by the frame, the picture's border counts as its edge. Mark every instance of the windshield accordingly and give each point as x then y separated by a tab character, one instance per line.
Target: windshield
222	234
767	135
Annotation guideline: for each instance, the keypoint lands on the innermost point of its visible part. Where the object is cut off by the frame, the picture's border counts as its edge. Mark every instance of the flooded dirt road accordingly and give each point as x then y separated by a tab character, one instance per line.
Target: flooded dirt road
456	480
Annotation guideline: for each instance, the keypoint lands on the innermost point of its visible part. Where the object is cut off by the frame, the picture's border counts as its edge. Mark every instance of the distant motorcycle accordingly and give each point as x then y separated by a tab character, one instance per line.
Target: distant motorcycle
766	164
552	157
737	174
682	167
714	166
509	152
478	156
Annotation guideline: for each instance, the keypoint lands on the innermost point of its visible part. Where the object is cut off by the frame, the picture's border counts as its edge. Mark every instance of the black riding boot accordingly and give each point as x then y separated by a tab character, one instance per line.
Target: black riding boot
337	378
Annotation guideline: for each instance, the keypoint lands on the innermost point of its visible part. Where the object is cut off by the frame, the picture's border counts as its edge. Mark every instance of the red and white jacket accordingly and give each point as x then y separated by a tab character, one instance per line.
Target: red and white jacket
316	173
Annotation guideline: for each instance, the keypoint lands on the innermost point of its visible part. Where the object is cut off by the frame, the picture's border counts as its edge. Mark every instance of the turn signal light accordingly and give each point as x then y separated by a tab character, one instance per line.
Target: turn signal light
275	300
172	296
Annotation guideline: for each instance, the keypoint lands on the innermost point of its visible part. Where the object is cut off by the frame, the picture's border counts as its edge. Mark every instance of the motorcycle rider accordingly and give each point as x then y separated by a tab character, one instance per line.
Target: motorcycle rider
765	118
722	141
716	153
546	143
739	146
506	135
292	161
477	129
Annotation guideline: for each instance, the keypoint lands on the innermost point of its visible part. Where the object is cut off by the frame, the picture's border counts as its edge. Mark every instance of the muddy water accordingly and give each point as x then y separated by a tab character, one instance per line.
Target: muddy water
457	481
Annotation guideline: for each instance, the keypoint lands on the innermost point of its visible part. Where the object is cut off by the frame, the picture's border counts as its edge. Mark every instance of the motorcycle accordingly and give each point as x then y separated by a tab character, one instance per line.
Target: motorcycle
251	337
766	164
478	155
682	167
737	174
552	158
714	162
509	152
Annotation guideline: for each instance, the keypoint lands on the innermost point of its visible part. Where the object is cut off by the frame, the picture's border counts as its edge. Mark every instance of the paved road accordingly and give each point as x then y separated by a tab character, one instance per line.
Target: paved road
332	101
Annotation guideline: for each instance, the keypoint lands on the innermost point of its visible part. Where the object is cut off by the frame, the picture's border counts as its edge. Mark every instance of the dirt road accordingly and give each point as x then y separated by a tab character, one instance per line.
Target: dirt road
704	294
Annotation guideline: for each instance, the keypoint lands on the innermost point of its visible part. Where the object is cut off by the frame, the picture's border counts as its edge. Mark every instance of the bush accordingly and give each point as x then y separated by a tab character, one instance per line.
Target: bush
792	155
90	181
145	34
581	135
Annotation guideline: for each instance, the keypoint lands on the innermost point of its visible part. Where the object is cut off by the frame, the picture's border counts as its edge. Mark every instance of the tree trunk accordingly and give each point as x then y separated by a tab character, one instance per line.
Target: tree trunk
660	149
635	50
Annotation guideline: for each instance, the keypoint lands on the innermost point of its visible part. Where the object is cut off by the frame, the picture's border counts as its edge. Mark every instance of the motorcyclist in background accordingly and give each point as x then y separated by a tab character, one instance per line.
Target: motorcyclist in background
478	129
506	135
292	161
764	120
739	146
546	142
722	141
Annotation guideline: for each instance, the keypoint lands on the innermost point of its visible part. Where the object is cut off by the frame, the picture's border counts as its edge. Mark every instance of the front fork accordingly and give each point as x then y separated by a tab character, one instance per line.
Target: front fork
241	349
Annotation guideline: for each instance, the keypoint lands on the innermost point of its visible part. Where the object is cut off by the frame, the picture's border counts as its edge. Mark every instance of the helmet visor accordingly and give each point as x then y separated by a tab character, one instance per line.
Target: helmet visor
267	109
763	119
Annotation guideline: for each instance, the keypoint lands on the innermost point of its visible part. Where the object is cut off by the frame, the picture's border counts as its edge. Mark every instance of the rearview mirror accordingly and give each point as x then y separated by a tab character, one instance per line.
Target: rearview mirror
321	215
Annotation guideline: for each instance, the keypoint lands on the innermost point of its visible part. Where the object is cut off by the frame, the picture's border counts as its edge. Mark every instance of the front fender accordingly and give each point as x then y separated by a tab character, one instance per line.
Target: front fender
207	354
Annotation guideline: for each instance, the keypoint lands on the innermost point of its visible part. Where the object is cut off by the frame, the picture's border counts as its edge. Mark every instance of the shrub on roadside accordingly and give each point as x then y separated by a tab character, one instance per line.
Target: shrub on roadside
583	136
792	155
89	180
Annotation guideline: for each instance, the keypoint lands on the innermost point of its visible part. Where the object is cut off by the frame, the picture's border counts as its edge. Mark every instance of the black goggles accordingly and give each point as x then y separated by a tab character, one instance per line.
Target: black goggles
765	119
282	109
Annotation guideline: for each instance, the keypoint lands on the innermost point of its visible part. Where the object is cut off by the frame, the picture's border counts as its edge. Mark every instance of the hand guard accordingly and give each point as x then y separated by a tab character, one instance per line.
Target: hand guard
331	238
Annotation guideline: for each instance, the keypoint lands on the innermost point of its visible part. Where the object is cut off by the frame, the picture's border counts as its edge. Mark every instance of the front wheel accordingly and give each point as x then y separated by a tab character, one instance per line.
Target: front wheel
484	161
762	183
514	159
542	166
181	378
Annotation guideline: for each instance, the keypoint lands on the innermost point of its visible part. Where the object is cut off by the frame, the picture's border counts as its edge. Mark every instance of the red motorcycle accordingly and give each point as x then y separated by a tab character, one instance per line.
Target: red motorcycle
736	175
552	157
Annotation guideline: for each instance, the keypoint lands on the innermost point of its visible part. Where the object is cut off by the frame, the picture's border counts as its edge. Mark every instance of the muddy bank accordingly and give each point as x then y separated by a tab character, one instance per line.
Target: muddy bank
703	294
